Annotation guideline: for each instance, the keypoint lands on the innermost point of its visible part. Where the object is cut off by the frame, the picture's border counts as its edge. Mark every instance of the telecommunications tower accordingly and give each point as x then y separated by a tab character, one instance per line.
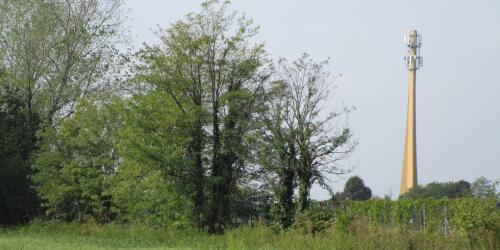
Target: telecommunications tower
413	62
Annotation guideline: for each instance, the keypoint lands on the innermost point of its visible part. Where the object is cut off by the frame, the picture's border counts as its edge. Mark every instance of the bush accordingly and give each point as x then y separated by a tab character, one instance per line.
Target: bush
314	220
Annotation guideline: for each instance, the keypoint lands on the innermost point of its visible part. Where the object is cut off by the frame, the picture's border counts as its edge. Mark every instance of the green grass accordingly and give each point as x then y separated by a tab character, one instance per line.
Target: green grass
53	236
91	236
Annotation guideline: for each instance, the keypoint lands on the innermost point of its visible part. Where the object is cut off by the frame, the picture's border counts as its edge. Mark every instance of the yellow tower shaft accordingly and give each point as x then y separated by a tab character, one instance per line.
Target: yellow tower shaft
409	177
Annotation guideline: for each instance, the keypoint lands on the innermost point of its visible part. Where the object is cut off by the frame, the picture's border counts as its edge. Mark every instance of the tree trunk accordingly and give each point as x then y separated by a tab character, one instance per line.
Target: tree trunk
286	196
215	225
305	176
198	174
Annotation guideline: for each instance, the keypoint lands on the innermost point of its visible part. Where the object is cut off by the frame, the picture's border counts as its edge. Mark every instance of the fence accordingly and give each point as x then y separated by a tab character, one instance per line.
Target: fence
443	215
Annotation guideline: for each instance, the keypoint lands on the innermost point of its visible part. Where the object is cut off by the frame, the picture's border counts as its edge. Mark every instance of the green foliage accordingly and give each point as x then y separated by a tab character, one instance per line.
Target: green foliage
208	67
18	201
251	205
484	188
300	143
278	152
438	190
355	189
315	220
317	137
55	53
58	51
464	215
152	185
473	216
76	162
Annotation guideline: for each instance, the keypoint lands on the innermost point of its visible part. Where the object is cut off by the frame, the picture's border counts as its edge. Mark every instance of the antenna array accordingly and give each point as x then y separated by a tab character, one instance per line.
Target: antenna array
413	41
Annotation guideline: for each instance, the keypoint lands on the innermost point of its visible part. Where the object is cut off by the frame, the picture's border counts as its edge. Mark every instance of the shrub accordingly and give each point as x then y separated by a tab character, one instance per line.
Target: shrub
314	220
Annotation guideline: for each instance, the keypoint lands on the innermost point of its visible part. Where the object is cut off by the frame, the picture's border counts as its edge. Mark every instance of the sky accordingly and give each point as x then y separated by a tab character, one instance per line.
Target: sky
458	88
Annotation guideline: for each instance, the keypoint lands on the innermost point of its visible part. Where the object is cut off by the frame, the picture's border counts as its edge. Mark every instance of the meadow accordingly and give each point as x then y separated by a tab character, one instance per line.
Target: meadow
468	223
359	235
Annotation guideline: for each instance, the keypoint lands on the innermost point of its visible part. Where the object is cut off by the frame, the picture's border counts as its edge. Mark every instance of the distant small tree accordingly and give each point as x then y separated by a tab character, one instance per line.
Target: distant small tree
483	188
355	189
440	190
462	188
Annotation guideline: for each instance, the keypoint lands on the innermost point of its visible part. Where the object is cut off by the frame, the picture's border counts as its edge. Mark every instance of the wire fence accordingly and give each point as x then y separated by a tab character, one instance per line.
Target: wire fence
447	216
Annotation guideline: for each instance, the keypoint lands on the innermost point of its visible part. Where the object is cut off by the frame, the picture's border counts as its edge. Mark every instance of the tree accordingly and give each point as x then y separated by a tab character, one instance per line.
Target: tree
484	188
278	153
176	70
208	68
56	52
355	189
153	184
74	168
233	77
301	144
320	139
18	201
438	190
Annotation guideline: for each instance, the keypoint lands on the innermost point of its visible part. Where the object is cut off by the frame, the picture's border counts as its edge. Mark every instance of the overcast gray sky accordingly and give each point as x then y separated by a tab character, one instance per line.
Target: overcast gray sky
458	89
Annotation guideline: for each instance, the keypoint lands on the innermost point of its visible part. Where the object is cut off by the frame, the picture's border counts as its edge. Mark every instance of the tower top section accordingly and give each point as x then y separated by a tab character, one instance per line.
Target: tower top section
413	41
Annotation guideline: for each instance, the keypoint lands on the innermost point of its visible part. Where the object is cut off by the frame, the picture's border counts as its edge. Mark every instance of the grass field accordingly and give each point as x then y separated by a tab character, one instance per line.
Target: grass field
52	236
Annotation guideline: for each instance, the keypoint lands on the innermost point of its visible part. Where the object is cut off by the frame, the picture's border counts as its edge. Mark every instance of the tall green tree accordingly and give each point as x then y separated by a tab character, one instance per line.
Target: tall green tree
301	143
207	66
322	137
175	69
278	154
56	52
18	201
153	184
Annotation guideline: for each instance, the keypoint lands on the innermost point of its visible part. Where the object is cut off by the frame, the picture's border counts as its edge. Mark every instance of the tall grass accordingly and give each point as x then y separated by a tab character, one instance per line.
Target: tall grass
359	235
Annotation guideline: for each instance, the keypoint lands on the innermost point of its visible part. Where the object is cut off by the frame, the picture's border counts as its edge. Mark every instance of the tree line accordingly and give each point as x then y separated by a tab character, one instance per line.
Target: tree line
198	130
